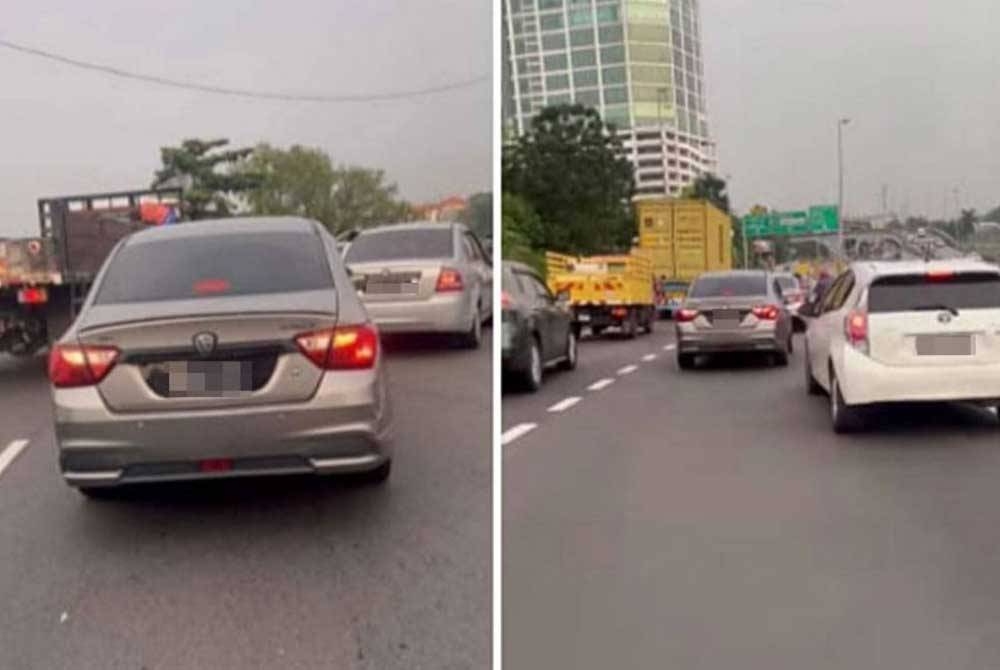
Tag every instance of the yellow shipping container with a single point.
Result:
(684, 238)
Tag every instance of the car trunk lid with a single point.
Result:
(394, 281)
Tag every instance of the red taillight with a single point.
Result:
(506, 302)
(340, 348)
(32, 296)
(71, 365)
(939, 275)
(216, 465)
(211, 286)
(449, 280)
(856, 329)
(685, 315)
(767, 312)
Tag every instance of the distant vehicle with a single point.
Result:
(794, 296)
(44, 279)
(223, 348)
(424, 278)
(538, 328)
(670, 297)
(906, 331)
(613, 291)
(682, 239)
(740, 310)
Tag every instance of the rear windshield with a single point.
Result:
(788, 283)
(909, 293)
(194, 267)
(728, 285)
(675, 287)
(403, 244)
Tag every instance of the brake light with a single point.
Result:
(939, 275)
(686, 315)
(71, 365)
(340, 348)
(856, 330)
(211, 286)
(619, 312)
(766, 312)
(506, 302)
(32, 296)
(449, 280)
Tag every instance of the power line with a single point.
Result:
(240, 92)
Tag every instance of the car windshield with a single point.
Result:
(919, 292)
(728, 285)
(788, 283)
(205, 266)
(402, 244)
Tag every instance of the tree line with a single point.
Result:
(219, 181)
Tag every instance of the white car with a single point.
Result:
(906, 331)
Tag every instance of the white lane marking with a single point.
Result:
(669, 347)
(600, 384)
(10, 452)
(649, 357)
(517, 431)
(564, 404)
(628, 369)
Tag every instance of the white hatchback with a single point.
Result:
(906, 331)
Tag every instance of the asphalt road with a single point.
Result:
(712, 519)
(289, 574)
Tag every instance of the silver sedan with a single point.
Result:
(220, 349)
(423, 278)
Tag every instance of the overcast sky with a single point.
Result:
(66, 131)
(919, 78)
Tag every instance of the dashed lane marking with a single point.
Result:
(10, 453)
(564, 404)
(669, 347)
(649, 357)
(628, 369)
(517, 431)
(600, 384)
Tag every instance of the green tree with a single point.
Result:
(708, 187)
(303, 181)
(522, 232)
(478, 216)
(571, 167)
(213, 178)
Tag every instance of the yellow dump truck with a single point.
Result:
(604, 292)
(682, 238)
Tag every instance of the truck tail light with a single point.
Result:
(619, 312)
(449, 280)
(340, 348)
(856, 330)
(767, 312)
(506, 301)
(71, 365)
(685, 315)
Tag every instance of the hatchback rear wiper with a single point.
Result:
(940, 308)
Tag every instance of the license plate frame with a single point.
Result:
(208, 379)
(583, 317)
(945, 344)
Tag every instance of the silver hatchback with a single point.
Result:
(220, 349)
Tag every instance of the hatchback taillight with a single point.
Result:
(449, 280)
(767, 312)
(685, 315)
(340, 348)
(72, 365)
(856, 330)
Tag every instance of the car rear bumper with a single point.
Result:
(865, 381)
(441, 313)
(693, 341)
(346, 427)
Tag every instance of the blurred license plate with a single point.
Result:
(726, 319)
(583, 318)
(944, 345)
(208, 378)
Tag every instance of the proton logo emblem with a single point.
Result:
(204, 343)
(944, 317)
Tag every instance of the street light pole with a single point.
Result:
(840, 185)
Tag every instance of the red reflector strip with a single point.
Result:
(210, 286)
(216, 465)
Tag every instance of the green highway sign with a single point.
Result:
(818, 220)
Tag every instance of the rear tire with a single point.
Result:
(812, 386)
(650, 320)
(781, 359)
(685, 361)
(473, 338)
(845, 418)
(631, 326)
(569, 363)
(531, 378)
